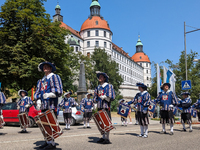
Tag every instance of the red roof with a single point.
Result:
(140, 57)
(120, 50)
(76, 33)
(95, 22)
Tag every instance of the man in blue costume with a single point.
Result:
(167, 99)
(185, 103)
(23, 105)
(87, 104)
(48, 89)
(142, 100)
(103, 95)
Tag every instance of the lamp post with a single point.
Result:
(196, 29)
(185, 46)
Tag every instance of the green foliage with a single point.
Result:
(102, 62)
(28, 37)
(193, 73)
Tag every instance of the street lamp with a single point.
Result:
(185, 45)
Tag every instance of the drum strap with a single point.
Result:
(45, 123)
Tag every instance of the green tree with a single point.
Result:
(28, 37)
(103, 62)
(193, 73)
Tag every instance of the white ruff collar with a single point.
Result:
(103, 85)
(48, 76)
(142, 93)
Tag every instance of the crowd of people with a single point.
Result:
(49, 88)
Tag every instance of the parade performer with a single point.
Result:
(67, 103)
(48, 89)
(197, 106)
(185, 103)
(167, 99)
(142, 100)
(87, 104)
(2, 102)
(23, 105)
(123, 120)
(103, 95)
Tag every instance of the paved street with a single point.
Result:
(122, 138)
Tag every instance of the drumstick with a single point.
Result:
(97, 94)
(45, 123)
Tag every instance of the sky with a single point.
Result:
(160, 24)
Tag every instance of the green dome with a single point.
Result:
(58, 7)
(72, 41)
(139, 43)
(95, 3)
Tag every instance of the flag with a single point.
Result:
(169, 74)
(164, 74)
(172, 81)
(158, 79)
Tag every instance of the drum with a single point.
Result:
(152, 107)
(103, 121)
(123, 110)
(24, 120)
(82, 108)
(1, 122)
(48, 125)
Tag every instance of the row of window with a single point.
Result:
(129, 79)
(97, 34)
(147, 65)
(129, 71)
(123, 59)
(97, 44)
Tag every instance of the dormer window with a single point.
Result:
(97, 23)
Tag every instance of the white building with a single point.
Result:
(95, 32)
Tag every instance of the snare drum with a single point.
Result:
(123, 110)
(24, 120)
(48, 125)
(103, 121)
(1, 122)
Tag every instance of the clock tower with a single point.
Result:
(57, 16)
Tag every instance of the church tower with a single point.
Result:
(57, 16)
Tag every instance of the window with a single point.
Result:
(104, 33)
(146, 64)
(97, 23)
(140, 64)
(88, 34)
(110, 46)
(76, 49)
(147, 78)
(120, 66)
(88, 54)
(147, 85)
(97, 43)
(105, 44)
(110, 36)
(79, 41)
(88, 43)
(97, 32)
(147, 71)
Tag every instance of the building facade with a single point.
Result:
(95, 32)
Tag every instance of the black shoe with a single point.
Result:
(171, 133)
(184, 130)
(100, 140)
(88, 127)
(84, 127)
(50, 146)
(23, 131)
(67, 128)
(163, 132)
(44, 145)
(106, 141)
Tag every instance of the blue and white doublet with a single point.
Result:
(23, 102)
(107, 90)
(49, 84)
(2, 98)
(197, 106)
(67, 103)
(87, 104)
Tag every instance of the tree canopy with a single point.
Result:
(28, 37)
